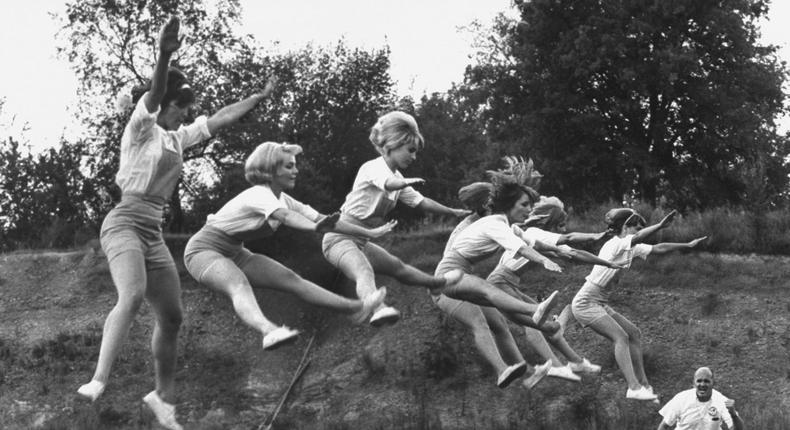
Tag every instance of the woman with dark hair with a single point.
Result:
(216, 257)
(510, 203)
(131, 236)
(590, 305)
(547, 228)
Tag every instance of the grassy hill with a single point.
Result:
(724, 311)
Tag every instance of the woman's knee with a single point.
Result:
(130, 300)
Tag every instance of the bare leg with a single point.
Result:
(164, 296)
(387, 264)
(634, 345)
(129, 277)
(264, 272)
(223, 276)
(354, 264)
(502, 336)
(610, 329)
(476, 290)
(473, 319)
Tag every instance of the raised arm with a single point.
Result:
(169, 42)
(576, 255)
(232, 112)
(666, 247)
(430, 205)
(643, 234)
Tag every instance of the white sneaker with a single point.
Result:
(279, 337)
(538, 374)
(369, 303)
(585, 366)
(165, 412)
(384, 316)
(564, 372)
(511, 374)
(542, 312)
(92, 390)
(640, 394)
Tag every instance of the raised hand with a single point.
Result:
(697, 241)
(271, 84)
(668, 219)
(327, 223)
(382, 230)
(169, 39)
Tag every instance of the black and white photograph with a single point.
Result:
(427, 215)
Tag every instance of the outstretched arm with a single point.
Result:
(575, 238)
(643, 234)
(576, 255)
(169, 42)
(530, 253)
(394, 183)
(232, 112)
(666, 247)
(430, 205)
(355, 230)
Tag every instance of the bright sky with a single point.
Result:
(428, 52)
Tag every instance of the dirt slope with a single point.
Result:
(727, 312)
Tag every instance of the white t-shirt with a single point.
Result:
(619, 251)
(369, 201)
(687, 413)
(251, 209)
(486, 236)
(513, 261)
(150, 162)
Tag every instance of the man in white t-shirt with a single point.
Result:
(700, 408)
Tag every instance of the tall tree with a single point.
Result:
(641, 98)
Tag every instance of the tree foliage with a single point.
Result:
(640, 98)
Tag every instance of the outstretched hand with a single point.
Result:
(413, 181)
(327, 223)
(551, 266)
(382, 230)
(169, 39)
(461, 212)
(697, 241)
(668, 219)
(268, 89)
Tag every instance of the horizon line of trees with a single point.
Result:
(669, 103)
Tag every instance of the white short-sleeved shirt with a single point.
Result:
(151, 156)
(369, 201)
(486, 236)
(619, 251)
(513, 261)
(685, 412)
(247, 216)
(466, 222)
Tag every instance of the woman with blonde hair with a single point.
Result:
(216, 257)
(378, 186)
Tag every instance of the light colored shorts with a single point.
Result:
(135, 225)
(587, 307)
(452, 260)
(335, 245)
(210, 245)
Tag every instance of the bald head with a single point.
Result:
(703, 383)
